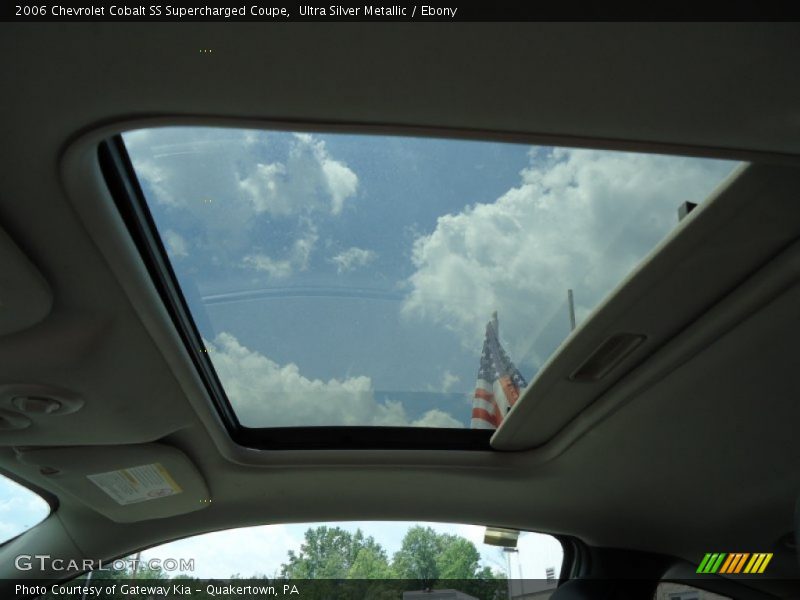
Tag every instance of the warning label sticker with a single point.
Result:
(137, 484)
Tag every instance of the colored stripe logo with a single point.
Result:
(734, 563)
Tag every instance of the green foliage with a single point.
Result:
(458, 558)
(424, 558)
(429, 556)
(417, 557)
(370, 563)
(332, 553)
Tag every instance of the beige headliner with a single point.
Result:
(694, 448)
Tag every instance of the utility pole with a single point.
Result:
(571, 306)
(508, 552)
(86, 587)
(136, 564)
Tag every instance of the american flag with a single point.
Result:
(499, 382)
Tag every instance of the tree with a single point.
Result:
(459, 559)
(417, 556)
(429, 556)
(331, 553)
(370, 563)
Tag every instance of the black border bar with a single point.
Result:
(278, 11)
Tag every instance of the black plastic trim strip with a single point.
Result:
(365, 438)
(124, 186)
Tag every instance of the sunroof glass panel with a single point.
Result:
(364, 280)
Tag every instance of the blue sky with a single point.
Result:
(20, 509)
(347, 279)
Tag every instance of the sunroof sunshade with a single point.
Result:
(372, 280)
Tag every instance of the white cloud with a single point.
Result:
(266, 394)
(342, 182)
(183, 167)
(263, 188)
(176, 245)
(579, 219)
(304, 246)
(297, 259)
(449, 380)
(277, 269)
(219, 187)
(353, 258)
(309, 180)
(437, 418)
(159, 180)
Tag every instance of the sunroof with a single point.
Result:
(373, 280)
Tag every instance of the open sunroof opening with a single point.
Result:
(345, 280)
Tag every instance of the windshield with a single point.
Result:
(435, 552)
